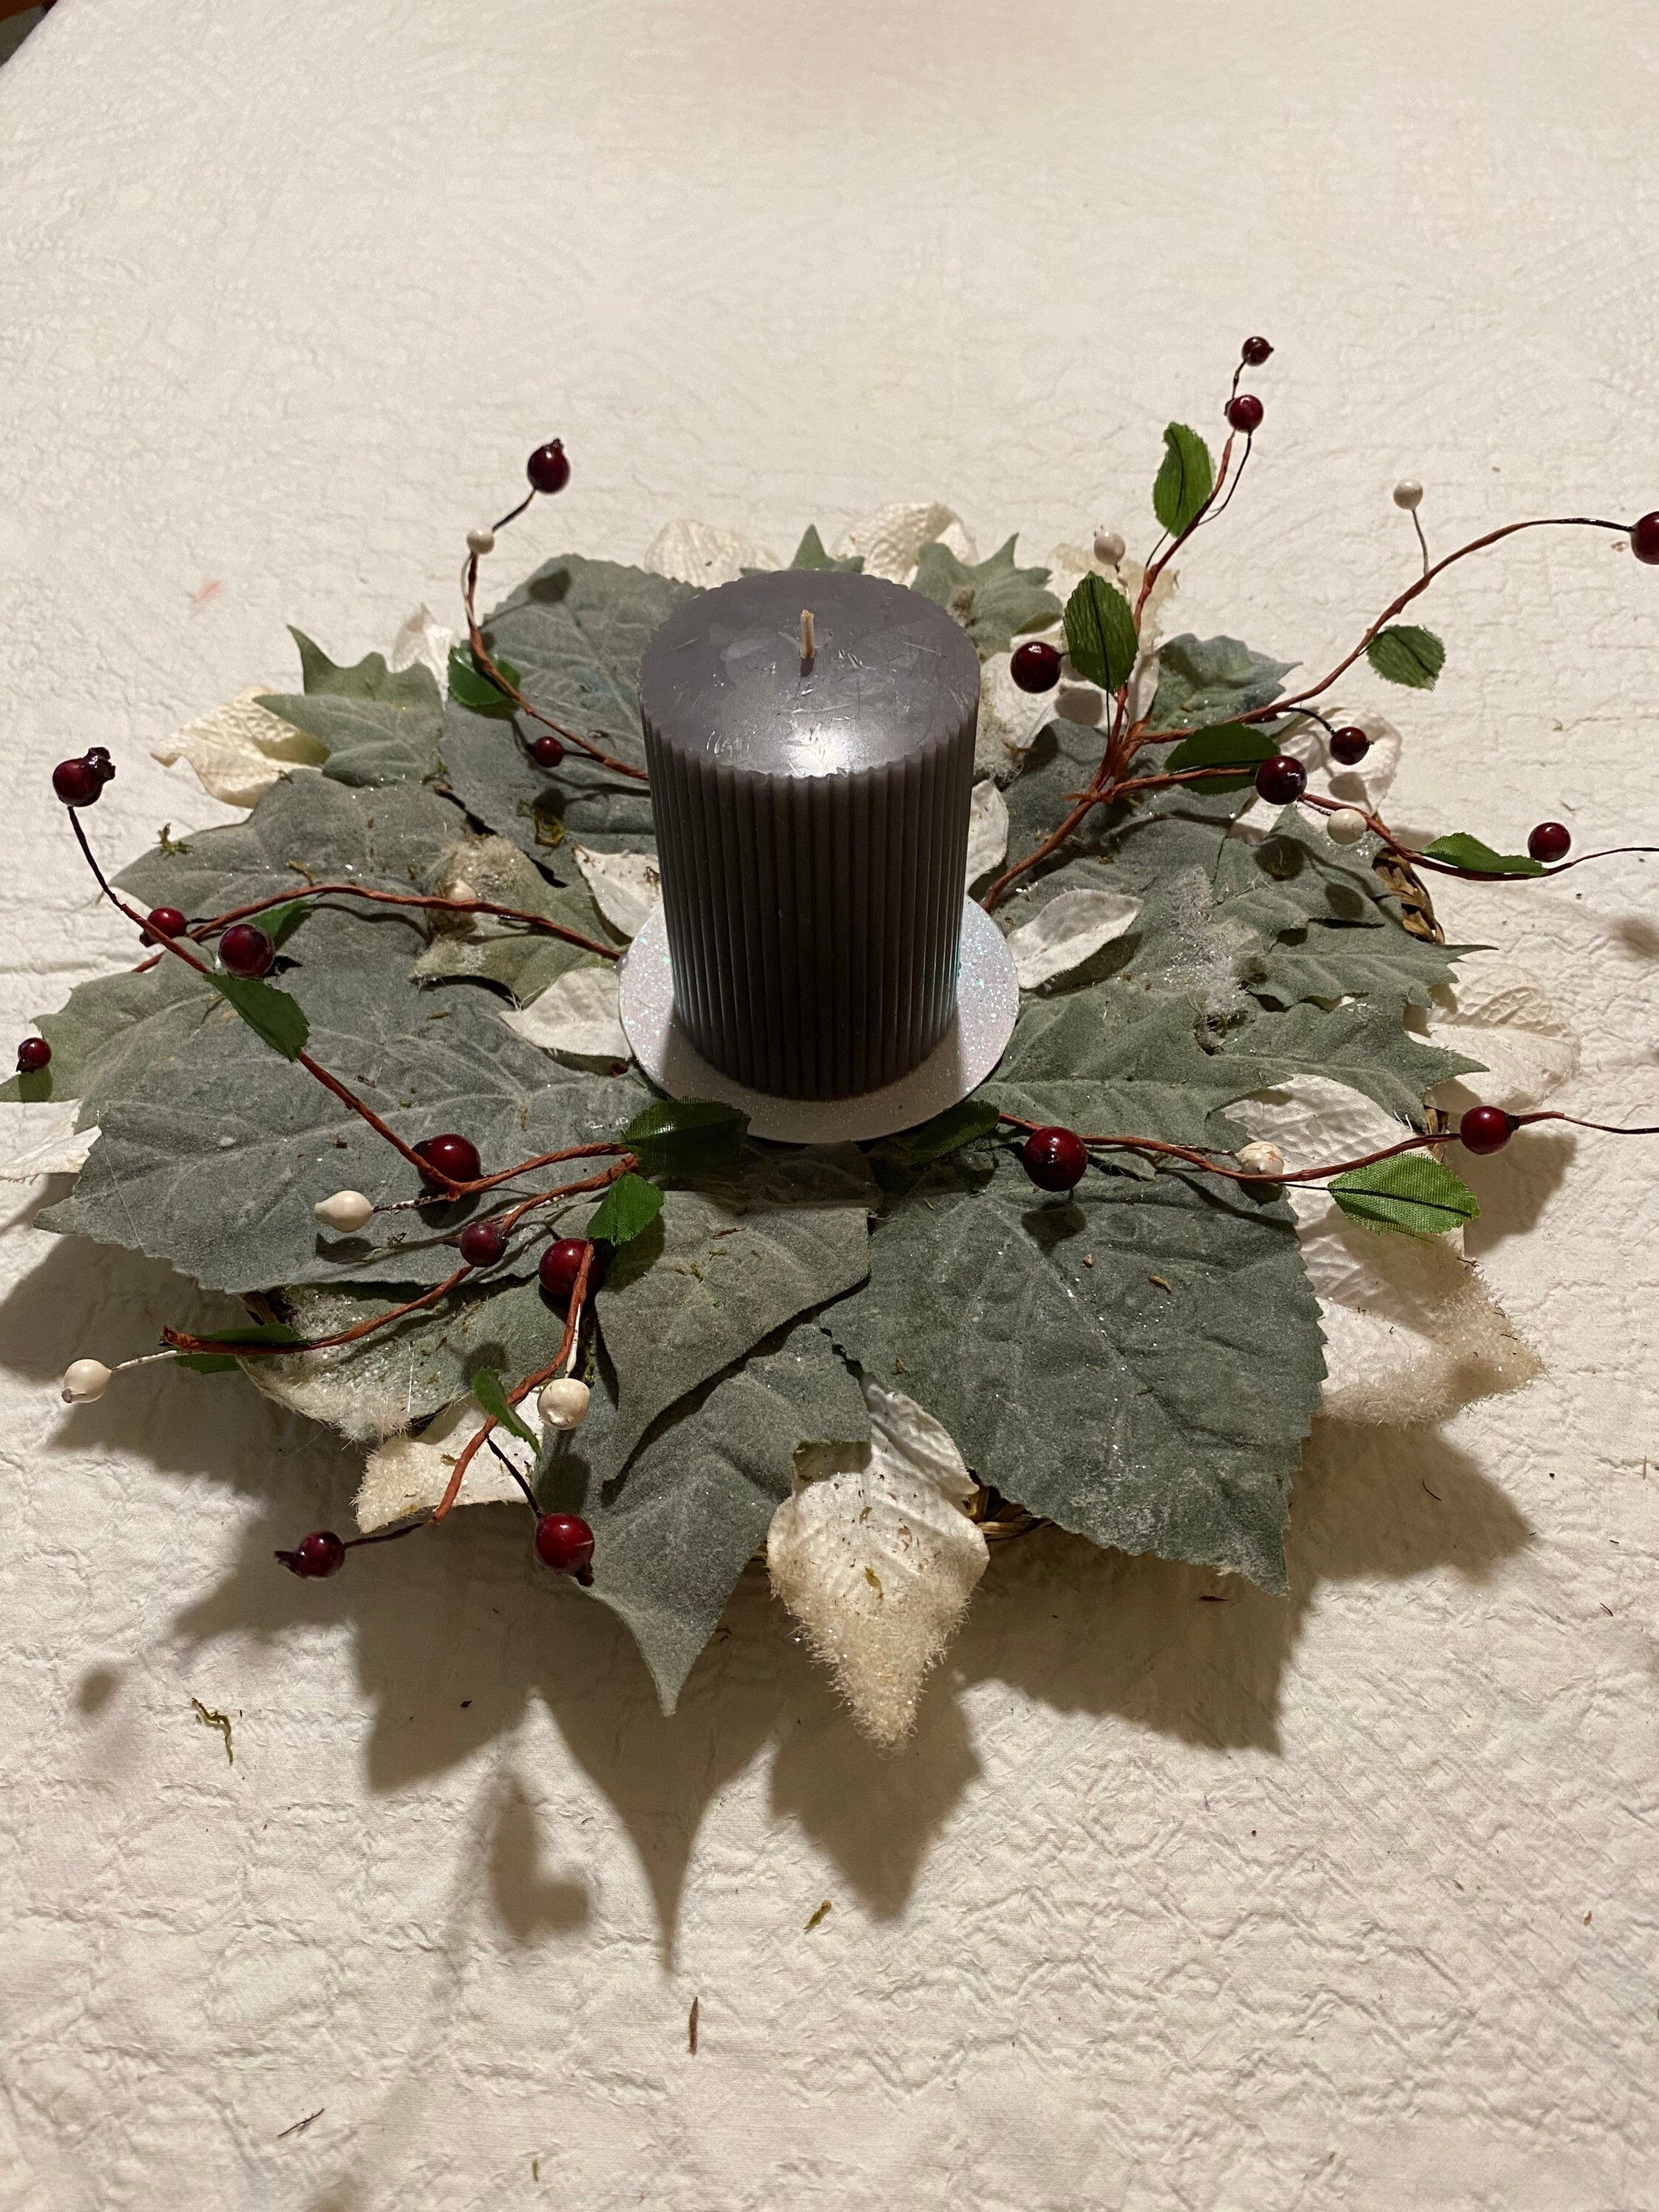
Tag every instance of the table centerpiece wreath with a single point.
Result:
(367, 1077)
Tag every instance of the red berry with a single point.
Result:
(1550, 840)
(1645, 539)
(1350, 746)
(547, 752)
(1245, 412)
(165, 921)
(1053, 1158)
(1036, 666)
(246, 950)
(457, 1157)
(548, 468)
(315, 1557)
(561, 1264)
(32, 1055)
(77, 782)
(1255, 351)
(565, 1542)
(1485, 1129)
(98, 757)
(1281, 780)
(483, 1243)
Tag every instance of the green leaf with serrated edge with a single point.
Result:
(274, 1017)
(1327, 962)
(1404, 654)
(473, 688)
(672, 1537)
(811, 554)
(1363, 1045)
(216, 1163)
(578, 631)
(378, 725)
(280, 922)
(113, 1032)
(304, 828)
(993, 601)
(1222, 744)
(686, 1136)
(729, 1262)
(487, 1388)
(484, 949)
(1185, 477)
(964, 1124)
(1100, 634)
(1161, 1419)
(627, 1211)
(1203, 681)
(1462, 851)
(220, 1362)
(1412, 1195)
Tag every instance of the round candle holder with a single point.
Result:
(988, 1002)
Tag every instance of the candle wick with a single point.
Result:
(807, 648)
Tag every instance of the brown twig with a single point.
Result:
(219, 921)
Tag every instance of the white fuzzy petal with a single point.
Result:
(626, 886)
(408, 1474)
(576, 1013)
(1070, 930)
(1502, 1015)
(423, 640)
(988, 831)
(240, 749)
(694, 553)
(875, 1557)
(892, 538)
(48, 1144)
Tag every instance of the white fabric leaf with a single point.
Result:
(1009, 719)
(695, 553)
(1070, 930)
(423, 640)
(576, 1013)
(1502, 1015)
(1365, 786)
(988, 831)
(407, 1476)
(892, 538)
(1410, 1331)
(876, 1559)
(626, 887)
(50, 1144)
(239, 750)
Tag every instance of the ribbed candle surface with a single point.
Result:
(811, 824)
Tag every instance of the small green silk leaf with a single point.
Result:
(274, 1017)
(220, 1362)
(1404, 654)
(487, 1387)
(1100, 634)
(1221, 746)
(280, 922)
(1185, 479)
(1412, 1195)
(628, 1208)
(962, 1124)
(470, 688)
(686, 1136)
(1462, 851)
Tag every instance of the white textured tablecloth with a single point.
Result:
(1346, 1901)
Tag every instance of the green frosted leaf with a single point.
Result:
(1207, 680)
(1413, 1195)
(686, 1136)
(1100, 634)
(1404, 654)
(378, 725)
(627, 1211)
(1462, 851)
(522, 962)
(114, 1032)
(1185, 477)
(993, 601)
(487, 1389)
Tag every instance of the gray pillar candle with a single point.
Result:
(812, 812)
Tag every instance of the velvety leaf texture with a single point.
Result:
(993, 601)
(378, 725)
(1205, 680)
(115, 1031)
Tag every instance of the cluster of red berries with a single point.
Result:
(80, 782)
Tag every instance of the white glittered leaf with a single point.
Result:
(1502, 1015)
(48, 1143)
(1070, 930)
(988, 831)
(576, 1014)
(626, 887)
(408, 1474)
(1009, 719)
(423, 640)
(892, 539)
(240, 749)
(876, 1559)
(693, 553)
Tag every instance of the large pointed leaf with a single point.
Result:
(1363, 1045)
(1140, 1364)
(993, 601)
(1328, 961)
(115, 1031)
(811, 554)
(673, 1535)
(725, 1265)
(1212, 679)
(379, 725)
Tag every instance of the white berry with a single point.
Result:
(1109, 547)
(84, 1379)
(563, 1405)
(347, 1211)
(1408, 494)
(1347, 826)
(481, 541)
(1262, 1159)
